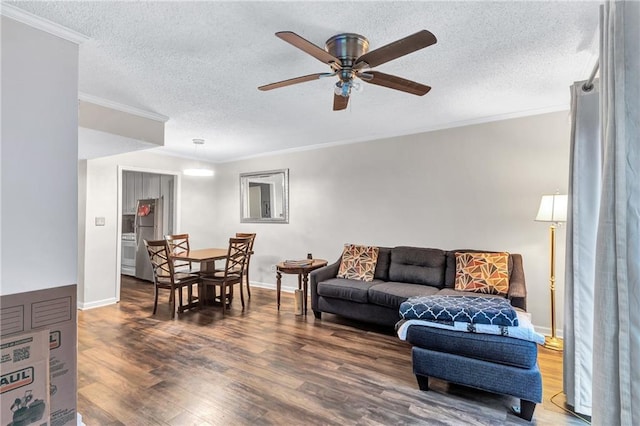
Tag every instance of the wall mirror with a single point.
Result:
(264, 196)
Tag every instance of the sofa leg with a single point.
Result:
(423, 382)
(317, 314)
(526, 409)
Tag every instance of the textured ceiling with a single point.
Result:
(200, 64)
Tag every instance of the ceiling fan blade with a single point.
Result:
(340, 102)
(394, 50)
(397, 83)
(310, 48)
(296, 80)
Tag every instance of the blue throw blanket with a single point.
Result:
(450, 309)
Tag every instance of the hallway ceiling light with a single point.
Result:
(198, 171)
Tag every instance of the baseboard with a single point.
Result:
(285, 289)
(547, 331)
(97, 304)
(269, 286)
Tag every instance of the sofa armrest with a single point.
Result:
(517, 285)
(319, 275)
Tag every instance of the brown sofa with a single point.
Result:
(401, 272)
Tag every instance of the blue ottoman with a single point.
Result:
(498, 364)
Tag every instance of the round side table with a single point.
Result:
(303, 277)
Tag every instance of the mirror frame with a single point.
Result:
(245, 179)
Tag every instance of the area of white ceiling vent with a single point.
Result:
(200, 63)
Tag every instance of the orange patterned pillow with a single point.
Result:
(482, 272)
(358, 262)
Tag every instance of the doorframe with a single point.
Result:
(177, 190)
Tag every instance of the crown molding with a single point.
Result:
(42, 24)
(122, 107)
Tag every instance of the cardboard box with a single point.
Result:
(24, 379)
(52, 310)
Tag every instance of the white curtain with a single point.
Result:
(602, 291)
(582, 222)
(616, 333)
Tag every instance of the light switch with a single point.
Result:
(100, 221)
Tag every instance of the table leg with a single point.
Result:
(278, 285)
(305, 280)
(209, 291)
(209, 266)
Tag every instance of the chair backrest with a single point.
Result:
(236, 256)
(253, 238)
(247, 235)
(178, 243)
(158, 251)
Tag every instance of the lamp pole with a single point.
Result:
(553, 208)
(553, 342)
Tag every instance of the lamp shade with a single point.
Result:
(553, 208)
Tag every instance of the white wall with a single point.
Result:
(82, 217)
(469, 187)
(39, 159)
(98, 257)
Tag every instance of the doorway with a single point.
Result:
(135, 184)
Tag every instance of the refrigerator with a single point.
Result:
(149, 225)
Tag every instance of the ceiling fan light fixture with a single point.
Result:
(198, 171)
(344, 88)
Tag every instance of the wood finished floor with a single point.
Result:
(262, 366)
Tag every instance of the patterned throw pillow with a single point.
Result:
(358, 262)
(482, 272)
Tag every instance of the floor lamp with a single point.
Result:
(553, 208)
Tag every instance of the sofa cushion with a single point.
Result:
(358, 262)
(343, 288)
(450, 271)
(417, 266)
(392, 294)
(486, 273)
(485, 347)
(382, 267)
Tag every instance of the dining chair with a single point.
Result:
(165, 277)
(246, 266)
(179, 243)
(232, 273)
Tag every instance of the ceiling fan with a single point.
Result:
(349, 57)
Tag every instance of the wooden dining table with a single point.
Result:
(207, 258)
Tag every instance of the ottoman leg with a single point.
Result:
(423, 382)
(317, 314)
(526, 409)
